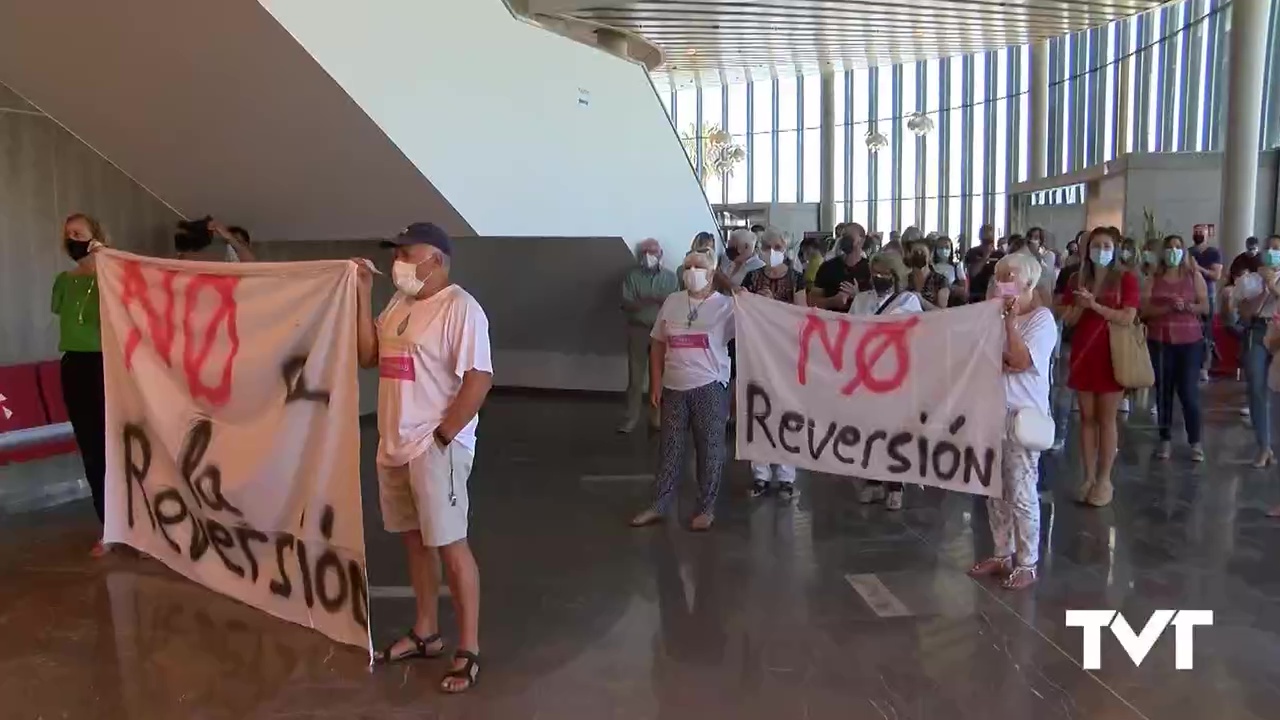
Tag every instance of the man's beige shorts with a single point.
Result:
(428, 494)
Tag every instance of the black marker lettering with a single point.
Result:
(792, 422)
(137, 463)
(282, 586)
(870, 446)
(245, 534)
(327, 565)
(982, 467)
(816, 452)
(900, 462)
(221, 539)
(850, 437)
(757, 396)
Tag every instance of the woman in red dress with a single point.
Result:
(1103, 292)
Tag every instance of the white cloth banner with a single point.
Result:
(233, 440)
(904, 398)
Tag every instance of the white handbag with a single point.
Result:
(1032, 429)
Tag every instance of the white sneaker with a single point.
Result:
(894, 501)
(1155, 411)
(1124, 406)
(1244, 412)
(870, 494)
(1204, 376)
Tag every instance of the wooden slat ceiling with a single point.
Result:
(711, 39)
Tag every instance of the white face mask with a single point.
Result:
(404, 275)
(649, 260)
(696, 279)
(775, 258)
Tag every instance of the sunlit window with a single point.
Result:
(762, 140)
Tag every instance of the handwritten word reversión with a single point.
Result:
(323, 576)
(945, 459)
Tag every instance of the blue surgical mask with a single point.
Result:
(1272, 258)
(1173, 256)
(1102, 256)
(1149, 257)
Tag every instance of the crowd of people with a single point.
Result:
(1060, 311)
(431, 345)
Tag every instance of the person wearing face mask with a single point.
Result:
(945, 264)
(777, 281)
(1209, 263)
(75, 302)
(689, 383)
(1102, 292)
(431, 346)
(1256, 304)
(1247, 261)
(644, 289)
(930, 285)
(888, 296)
(1172, 303)
(740, 256)
(844, 276)
(1030, 336)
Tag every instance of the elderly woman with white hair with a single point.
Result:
(888, 296)
(740, 255)
(689, 382)
(1030, 335)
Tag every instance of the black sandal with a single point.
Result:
(420, 650)
(469, 672)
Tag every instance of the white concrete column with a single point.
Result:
(1122, 107)
(613, 41)
(1242, 130)
(827, 145)
(1039, 109)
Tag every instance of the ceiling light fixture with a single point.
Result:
(920, 123)
(876, 141)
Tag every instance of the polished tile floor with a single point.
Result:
(824, 609)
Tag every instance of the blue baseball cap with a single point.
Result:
(422, 233)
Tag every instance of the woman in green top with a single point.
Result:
(75, 302)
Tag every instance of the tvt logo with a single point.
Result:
(1138, 645)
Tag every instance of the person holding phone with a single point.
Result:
(1102, 292)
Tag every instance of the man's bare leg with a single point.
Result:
(464, 586)
(424, 575)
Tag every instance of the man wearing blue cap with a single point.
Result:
(431, 347)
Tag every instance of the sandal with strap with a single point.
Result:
(469, 672)
(384, 656)
(1021, 578)
(992, 566)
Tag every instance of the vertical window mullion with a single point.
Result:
(873, 160)
(944, 144)
(895, 143)
(773, 138)
(966, 135)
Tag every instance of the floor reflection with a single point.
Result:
(586, 618)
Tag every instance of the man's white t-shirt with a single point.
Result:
(424, 349)
(868, 303)
(697, 335)
(1030, 388)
